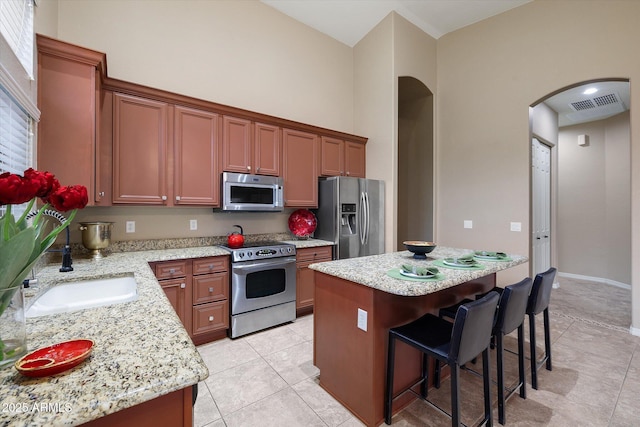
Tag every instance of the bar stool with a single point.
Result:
(452, 343)
(509, 317)
(539, 303)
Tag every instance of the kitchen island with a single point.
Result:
(143, 363)
(357, 302)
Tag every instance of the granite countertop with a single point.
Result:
(141, 349)
(372, 270)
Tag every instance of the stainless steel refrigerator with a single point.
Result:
(351, 214)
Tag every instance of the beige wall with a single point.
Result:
(594, 212)
(489, 74)
(239, 53)
(394, 48)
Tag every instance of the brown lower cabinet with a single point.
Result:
(198, 290)
(305, 282)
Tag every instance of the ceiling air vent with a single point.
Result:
(596, 107)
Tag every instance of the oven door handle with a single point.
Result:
(262, 264)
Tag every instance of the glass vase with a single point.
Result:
(13, 331)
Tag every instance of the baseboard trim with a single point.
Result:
(596, 279)
(634, 331)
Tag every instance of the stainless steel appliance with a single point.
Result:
(244, 192)
(263, 286)
(351, 214)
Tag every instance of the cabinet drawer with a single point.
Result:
(210, 287)
(210, 317)
(210, 265)
(320, 253)
(171, 269)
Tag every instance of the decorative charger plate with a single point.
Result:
(55, 358)
(302, 223)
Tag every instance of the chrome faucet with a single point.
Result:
(66, 250)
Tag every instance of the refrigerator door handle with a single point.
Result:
(367, 217)
(362, 218)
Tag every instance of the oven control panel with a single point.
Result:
(255, 253)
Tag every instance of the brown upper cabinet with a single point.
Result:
(341, 158)
(69, 98)
(137, 145)
(249, 147)
(142, 138)
(300, 166)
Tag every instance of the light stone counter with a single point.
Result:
(141, 349)
(372, 270)
(309, 243)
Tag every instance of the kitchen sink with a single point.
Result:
(75, 296)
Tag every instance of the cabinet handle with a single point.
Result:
(172, 270)
(348, 173)
(177, 198)
(210, 318)
(258, 169)
(164, 197)
(248, 168)
(183, 285)
(101, 194)
(210, 266)
(210, 290)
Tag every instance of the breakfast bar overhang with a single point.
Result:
(357, 301)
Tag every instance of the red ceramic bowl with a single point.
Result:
(55, 358)
(302, 223)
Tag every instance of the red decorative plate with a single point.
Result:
(302, 223)
(55, 358)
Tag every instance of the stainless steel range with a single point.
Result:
(263, 286)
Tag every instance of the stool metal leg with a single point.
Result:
(389, 395)
(547, 338)
(532, 345)
(455, 394)
(521, 375)
(486, 374)
(425, 376)
(500, 367)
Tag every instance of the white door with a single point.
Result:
(541, 206)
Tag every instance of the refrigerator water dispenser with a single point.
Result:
(348, 219)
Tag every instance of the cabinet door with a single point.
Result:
(177, 291)
(305, 280)
(300, 169)
(68, 98)
(331, 157)
(195, 158)
(355, 160)
(236, 145)
(267, 149)
(210, 317)
(139, 150)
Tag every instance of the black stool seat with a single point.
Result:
(539, 303)
(509, 317)
(452, 343)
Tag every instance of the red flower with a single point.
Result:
(13, 190)
(46, 182)
(69, 197)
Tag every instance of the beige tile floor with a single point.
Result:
(268, 379)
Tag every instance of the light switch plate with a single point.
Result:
(362, 319)
(516, 226)
(130, 227)
(193, 224)
(468, 223)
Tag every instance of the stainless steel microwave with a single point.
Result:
(244, 192)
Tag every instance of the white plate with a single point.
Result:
(488, 257)
(416, 276)
(455, 264)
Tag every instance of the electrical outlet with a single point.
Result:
(468, 223)
(130, 227)
(193, 224)
(516, 226)
(362, 319)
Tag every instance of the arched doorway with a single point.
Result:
(415, 192)
(587, 129)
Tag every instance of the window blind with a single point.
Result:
(16, 26)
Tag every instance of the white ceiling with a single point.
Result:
(348, 21)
